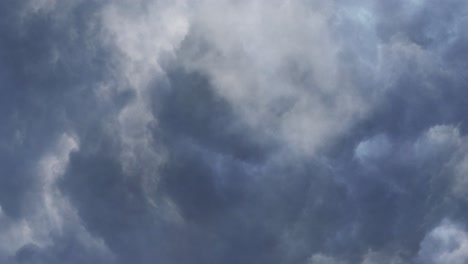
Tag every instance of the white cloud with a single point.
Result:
(48, 212)
(52, 205)
(278, 64)
(447, 243)
(323, 259)
(446, 143)
(373, 149)
(15, 234)
(142, 32)
(438, 140)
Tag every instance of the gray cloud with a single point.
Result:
(233, 132)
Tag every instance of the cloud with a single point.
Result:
(321, 259)
(447, 243)
(278, 64)
(233, 131)
(375, 148)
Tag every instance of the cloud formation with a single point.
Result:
(232, 131)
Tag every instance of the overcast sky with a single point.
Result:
(234, 131)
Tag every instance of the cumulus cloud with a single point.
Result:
(233, 131)
(447, 243)
(373, 149)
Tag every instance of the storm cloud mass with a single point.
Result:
(234, 131)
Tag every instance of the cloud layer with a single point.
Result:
(232, 131)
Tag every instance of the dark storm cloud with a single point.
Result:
(290, 132)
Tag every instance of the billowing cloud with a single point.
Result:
(315, 132)
(447, 243)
